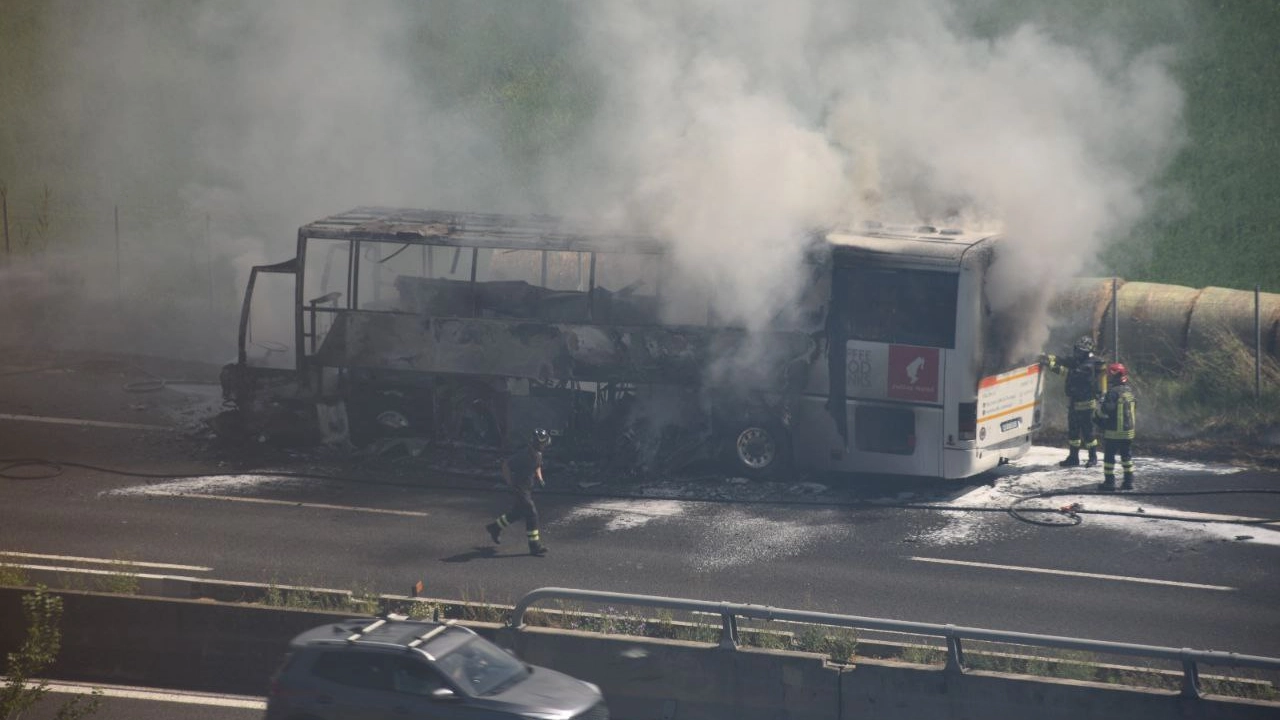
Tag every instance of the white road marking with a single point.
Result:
(86, 423)
(295, 503)
(92, 571)
(1073, 573)
(172, 696)
(105, 561)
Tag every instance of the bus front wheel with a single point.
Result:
(757, 449)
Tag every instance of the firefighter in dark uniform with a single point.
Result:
(1117, 417)
(1086, 381)
(520, 471)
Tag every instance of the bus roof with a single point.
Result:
(925, 245)
(469, 229)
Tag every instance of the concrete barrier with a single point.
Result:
(234, 648)
(901, 691)
(651, 678)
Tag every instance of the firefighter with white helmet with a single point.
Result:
(1117, 417)
(1085, 382)
(520, 471)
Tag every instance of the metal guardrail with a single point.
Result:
(954, 634)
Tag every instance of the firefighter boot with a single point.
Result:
(1108, 483)
(535, 543)
(1093, 458)
(1072, 459)
(495, 532)
(1128, 482)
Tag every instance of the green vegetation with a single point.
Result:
(1219, 223)
(122, 580)
(1211, 395)
(21, 691)
(11, 575)
(319, 600)
(1212, 219)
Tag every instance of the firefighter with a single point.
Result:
(1085, 382)
(1117, 416)
(520, 471)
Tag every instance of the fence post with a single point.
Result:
(4, 201)
(1115, 319)
(955, 651)
(728, 629)
(1190, 676)
(1257, 342)
(117, 226)
(208, 246)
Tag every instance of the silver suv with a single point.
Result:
(393, 667)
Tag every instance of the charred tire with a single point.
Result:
(757, 448)
(385, 415)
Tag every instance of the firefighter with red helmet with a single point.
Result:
(1085, 382)
(520, 471)
(1117, 417)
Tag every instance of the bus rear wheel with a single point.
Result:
(757, 449)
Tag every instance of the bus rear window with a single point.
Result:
(909, 307)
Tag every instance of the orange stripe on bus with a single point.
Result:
(987, 382)
(1010, 411)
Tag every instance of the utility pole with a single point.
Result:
(117, 225)
(1115, 319)
(208, 244)
(4, 202)
(1257, 342)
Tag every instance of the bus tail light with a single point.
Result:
(968, 421)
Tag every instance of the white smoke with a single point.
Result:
(734, 130)
(731, 129)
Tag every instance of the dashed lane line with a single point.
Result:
(1074, 573)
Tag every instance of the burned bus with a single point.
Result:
(472, 329)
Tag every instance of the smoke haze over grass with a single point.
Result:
(729, 130)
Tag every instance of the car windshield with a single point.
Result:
(481, 668)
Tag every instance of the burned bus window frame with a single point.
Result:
(904, 306)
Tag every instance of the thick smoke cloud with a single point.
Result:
(731, 130)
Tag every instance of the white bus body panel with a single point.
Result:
(824, 449)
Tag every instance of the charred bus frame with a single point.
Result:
(473, 328)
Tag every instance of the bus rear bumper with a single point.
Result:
(960, 463)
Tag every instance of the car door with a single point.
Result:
(356, 684)
(414, 695)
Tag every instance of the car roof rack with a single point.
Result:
(366, 629)
(432, 633)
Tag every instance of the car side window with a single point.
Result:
(371, 671)
(413, 677)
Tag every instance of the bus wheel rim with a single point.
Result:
(392, 420)
(755, 448)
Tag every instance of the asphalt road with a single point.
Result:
(388, 523)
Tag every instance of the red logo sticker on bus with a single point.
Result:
(913, 373)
